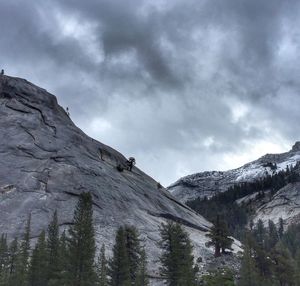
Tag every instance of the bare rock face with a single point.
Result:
(46, 162)
(207, 184)
(284, 204)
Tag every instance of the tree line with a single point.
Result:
(271, 257)
(70, 258)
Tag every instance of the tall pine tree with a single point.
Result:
(283, 266)
(38, 270)
(4, 261)
(248, 273)
(119, 267)
(133, 249)
(81, 244)
(219, 237)
(63, 258)
(176, 259)
(53, 251)
(13, 257)
(142, 275)
(102, 268)
(22, 262)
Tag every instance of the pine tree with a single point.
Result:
(260, 234)
(38, 269)
(13, 257)
(177, 259)
(273, 236)
(281, 228)
(226, 241)
(142, 276)
(53, 251)
(102, 268)
(4, 261)
(248, 273)
(22, 262)
(283, 265)
(119, 267)
(81, 244)
(219, 237)
(133, 249)
(262, 260)
(63, 255)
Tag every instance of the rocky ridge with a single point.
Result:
(207, 184)
(285, 203)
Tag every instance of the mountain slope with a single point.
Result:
(46, 162)
(206, 184)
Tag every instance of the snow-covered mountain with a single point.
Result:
(285, 203)
(46, 162)
(208, 183)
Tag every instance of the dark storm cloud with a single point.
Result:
(182, 85)
(121, 30)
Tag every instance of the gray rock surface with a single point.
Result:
(46, 162)
(284, 204)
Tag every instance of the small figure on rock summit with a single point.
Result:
(2, 72)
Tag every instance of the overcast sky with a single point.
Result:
(183, 86)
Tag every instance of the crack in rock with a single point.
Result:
(52, 127)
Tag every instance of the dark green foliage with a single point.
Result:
(81, 244)
(269, 259)
(142, 276)
(128, 264)
(4, 260)
(53, 251)
(281, 228)
(283, 265)
(291, 238)
(273, 236)
(236, 216)
(22, 261)
(38, 270)
(222, 277)
(133, 249)
(248, 272)
(219, 237)
(177, 260)
(63, 256)
(119, 264)
(297, 269)
(12, 262)
(102, 268)
(260, 233)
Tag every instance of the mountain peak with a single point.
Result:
(296, 147)
(206, 184)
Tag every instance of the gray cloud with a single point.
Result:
(182, 85)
